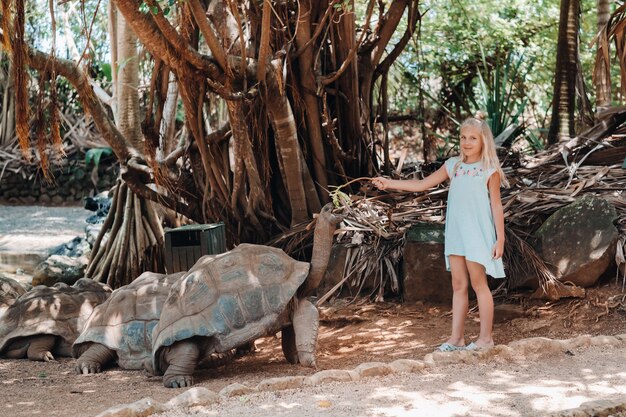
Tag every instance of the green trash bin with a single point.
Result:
(185, 245)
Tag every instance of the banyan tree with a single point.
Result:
(301, 85)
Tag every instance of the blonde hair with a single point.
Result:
(489, 158)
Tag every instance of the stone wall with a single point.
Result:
(71, 182)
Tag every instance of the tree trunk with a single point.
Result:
(601, 79)
(564, 102)
(127, 84)
(135, 242)
(283, 123)
(168, 126)
(311, 100)
(7, 120)
(353, 105)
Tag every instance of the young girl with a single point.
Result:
(474, 240)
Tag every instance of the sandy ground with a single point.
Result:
(363, 332)
(28, 233)
(556, 383)
(39, 228)
(350, 334)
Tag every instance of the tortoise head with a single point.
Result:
(326, 217)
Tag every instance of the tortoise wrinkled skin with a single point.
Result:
(46, 320)
(228, 300)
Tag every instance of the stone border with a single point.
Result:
(600, 408)
(72, 182)
(534, 348)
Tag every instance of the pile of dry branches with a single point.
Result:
(80, 135)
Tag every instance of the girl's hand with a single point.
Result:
(498, 249)
(380, 183)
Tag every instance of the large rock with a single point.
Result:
(92, 231)
(78, 246)
(66, 263)
(59, 268)
(578, 241)
(100, 204)
(424, 266)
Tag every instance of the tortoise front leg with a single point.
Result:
(305, 321)
(182, 358)
(93, 359)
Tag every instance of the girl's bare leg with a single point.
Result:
(460, 282)
(478, 279)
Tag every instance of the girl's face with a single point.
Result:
(471, 142)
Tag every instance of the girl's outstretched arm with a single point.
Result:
(498, 214)
(430, 181)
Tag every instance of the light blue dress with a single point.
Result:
(470, 230)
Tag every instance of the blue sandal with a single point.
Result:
(447, 347)
(473, 346)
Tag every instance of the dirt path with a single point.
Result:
(38, 227)
(561, 381)
(351, 335)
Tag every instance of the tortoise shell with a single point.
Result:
(10, 290)
(233, 298)
(124, 322)
(59, 310)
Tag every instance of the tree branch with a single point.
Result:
(132, 173)
(334, 76)
(125, 153)
(264, 48)
(387, 27)
(173, 50)
(318, 30)
(215, 138)
(414, 17)
(199, 14)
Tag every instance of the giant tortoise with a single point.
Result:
(47, 320)
(120, 329)
(227, 300)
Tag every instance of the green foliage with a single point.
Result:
(344, 5)
(496, 94)
(462, 43)
(339, 198)
(535, 144)
(86, 18)
(95, 154)
(106, 72)
(165, 5)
